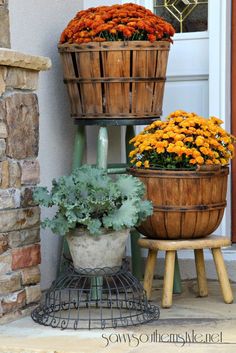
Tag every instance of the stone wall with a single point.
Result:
(4, 24)
(19, 174)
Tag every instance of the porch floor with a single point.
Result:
(189, 313)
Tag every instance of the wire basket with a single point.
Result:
(95, 299)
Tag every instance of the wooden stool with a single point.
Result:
(212, 242)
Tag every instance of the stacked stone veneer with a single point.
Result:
(19, 173)
(4, 24)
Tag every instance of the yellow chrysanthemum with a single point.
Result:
(200, 160)
(223, 161)
(199, 141)
(183, 140)
(179, 143)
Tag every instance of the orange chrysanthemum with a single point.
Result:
(117, 22)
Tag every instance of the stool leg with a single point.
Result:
(201, 272)
(135, 249)
(102, 147)
(78, 154)
(177, 278)
(80, 140)
(222, 276)
(149, 272)
(136, 254)
(130, 133)
(168, 279)
(102, 154)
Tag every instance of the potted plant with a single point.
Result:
(114, 60)
(95, 213)
(184, 163)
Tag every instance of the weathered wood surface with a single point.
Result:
(115, 79)
(187, 204)
(222, 276)
(149, 272)
(201, 272)
(168, 279)
(212, 241)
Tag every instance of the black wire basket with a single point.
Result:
(95, 299)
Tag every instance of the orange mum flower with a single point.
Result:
(117, 22)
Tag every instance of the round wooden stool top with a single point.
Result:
(211, 242)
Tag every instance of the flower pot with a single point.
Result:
(115, 79)
(187, 204)
(89, 251)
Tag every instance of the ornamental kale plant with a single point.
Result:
(91, 199)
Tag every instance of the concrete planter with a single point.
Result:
(89, 251)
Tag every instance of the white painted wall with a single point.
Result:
(35, 28)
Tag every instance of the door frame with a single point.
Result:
(233, 117)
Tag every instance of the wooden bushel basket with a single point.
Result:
(187, 204)
(115, 79)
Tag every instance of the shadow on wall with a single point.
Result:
(35, 29)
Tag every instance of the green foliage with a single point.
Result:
(90, 198)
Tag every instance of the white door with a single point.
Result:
(188, 67)
(198, 73)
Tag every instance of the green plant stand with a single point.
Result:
(102, 154)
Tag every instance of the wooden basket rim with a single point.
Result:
(178, 173)
(116, 45)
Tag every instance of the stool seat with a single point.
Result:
(213, 242)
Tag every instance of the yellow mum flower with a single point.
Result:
(179, 143)
(165, 141)
(132, 153)
(160, 149)
(171, 134)
(216, 161)
(199, 141)
(226, 139)
(179, 119)
(216, 120)
(204, 150)
(177, 149)
(196, 153)
(179, 137)
(188, 139)
(170, 148)
(223, 161)
(200, 160)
